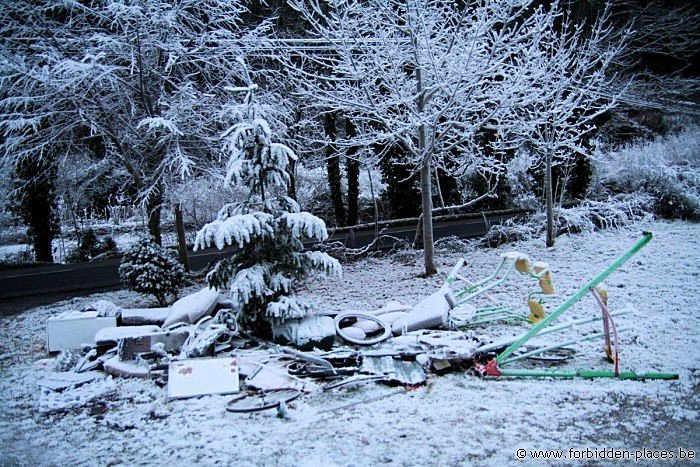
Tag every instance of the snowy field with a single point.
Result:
(455, 419)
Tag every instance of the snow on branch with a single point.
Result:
(159, 123)
(236, 230)
(287, 308)
(304, 224)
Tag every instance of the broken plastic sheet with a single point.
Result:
(202, 376)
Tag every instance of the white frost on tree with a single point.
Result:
(267, 229)
(439, 79)
(133, 84)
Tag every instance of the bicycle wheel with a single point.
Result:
(262, 400)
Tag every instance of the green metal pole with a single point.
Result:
(586, 374)
(531, 353)
(575, 298)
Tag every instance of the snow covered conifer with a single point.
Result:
(267, 228)
(149, 268)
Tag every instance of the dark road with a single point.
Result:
(32, 282)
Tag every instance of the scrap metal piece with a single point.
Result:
(404, 372)
(141, 316)
(66, 380)
(202, 376)
(268, 376)
(202, 344)
(128, 369)
(171, 341)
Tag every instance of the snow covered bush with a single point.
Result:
(267, 228)
(613, 213)
(149, 268)
(667, 168)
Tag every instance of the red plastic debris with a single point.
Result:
(489, 369)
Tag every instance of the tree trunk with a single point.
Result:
(292, 189)
(425, 185)
(427, 203)
(333, 165)
(549, 199)
(374, 202)
(181, 242)
(153, 207)
(352, 170)
(35, 204)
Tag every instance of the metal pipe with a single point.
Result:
(570, 324)
(576, 297)
(586, 374)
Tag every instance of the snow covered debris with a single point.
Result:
(193, 307)
(200, 376)
(461, 419)
(72, 329)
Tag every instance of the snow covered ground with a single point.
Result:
(455, 419)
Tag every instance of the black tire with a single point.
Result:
(262, 400)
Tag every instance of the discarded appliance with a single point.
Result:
(72, 329)
(305, 333)
(107, 338)
(202, 376)
(164, 340)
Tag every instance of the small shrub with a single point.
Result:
(147, 267)
(667, 168)
(90, 247)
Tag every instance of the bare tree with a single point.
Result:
(572, 82)
(428, 75)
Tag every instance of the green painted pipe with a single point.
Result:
(575, 298)
(531, 353)
(586, 374)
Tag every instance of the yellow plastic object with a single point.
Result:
(523, 264)
(609, 353)
(546, 282)
(603, 293)
(537, 313)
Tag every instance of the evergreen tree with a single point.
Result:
(147, 267)
(34, 203)
(267, 229)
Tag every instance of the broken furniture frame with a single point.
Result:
(509, 261)
(493, 367)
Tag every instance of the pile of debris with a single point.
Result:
(195, 346)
